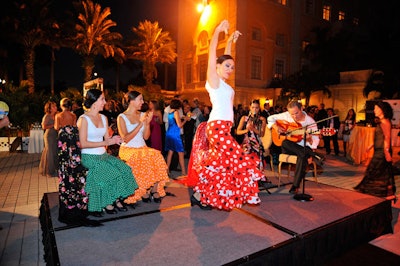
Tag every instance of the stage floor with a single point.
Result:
(279, 231)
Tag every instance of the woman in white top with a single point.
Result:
(228, 176)
(109, 179)
(148, 164)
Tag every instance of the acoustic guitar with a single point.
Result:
(295, 132)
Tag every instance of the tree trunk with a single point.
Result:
(30, 69)
(52, 72)
(88, 66)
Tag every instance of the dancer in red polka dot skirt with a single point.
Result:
(227, 176)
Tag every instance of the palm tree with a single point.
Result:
(153, 46)
(93, 36)
(30, 24)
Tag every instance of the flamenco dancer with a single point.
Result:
(379, 178)
(227, 177)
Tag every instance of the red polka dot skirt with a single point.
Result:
(228, 177)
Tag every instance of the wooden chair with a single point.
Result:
(291, 159)
(267, 142)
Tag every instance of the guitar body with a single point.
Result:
(296, 132)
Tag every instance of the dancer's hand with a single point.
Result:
(234, 36)
(223, 27)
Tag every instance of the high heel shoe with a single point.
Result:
(110, 211)
(146, 199)
(156, 199)
(194, 201)
(120, 206)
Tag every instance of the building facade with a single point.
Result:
(275, 33)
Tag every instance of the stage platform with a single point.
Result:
(279, 231)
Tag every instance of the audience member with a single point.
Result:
(320, 114)
(4, 122)
(188, 129)
(65, 117)
(49, 161)
(333, 124)
(173, 140)
(348, 126)
(77, 108)
(155, 126)
(265, 112)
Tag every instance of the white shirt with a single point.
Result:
(95, 134)
(222, 101)
(138, 140)
(308, 121)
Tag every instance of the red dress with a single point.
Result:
(155, 134)
(227, 177)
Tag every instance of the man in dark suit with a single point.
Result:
(332, 123)
(265, 113)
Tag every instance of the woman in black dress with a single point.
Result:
(379, 179)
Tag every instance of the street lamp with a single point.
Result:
(202, 5)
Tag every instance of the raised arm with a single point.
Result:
(232, 39)
(212, 75)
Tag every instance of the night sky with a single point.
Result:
(127, 14)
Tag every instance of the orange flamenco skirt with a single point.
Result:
(148, 168)
(221, 172)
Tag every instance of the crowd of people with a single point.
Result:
(126, 150)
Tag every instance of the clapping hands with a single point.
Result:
(147, 117)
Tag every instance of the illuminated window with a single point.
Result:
(280, 40)
(282, 2)
(341, 15)
(279, 68)
(256, 34)
(203, 67)
(309, 7)
(326, 13)
(188, 73)
(255, 67)
(203, 40)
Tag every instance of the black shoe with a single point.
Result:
(156, 199)
(111, 211)
(147, 199)
(132, 205)
(121, 207)
(96, 214)
(194, 201)
(293, 190)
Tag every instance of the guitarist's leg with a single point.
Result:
(290, 147)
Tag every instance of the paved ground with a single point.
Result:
(22, 188)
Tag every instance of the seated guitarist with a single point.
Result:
(293, 143)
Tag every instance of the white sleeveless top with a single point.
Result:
(222, 101)
(138, 140)
(95, 134)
